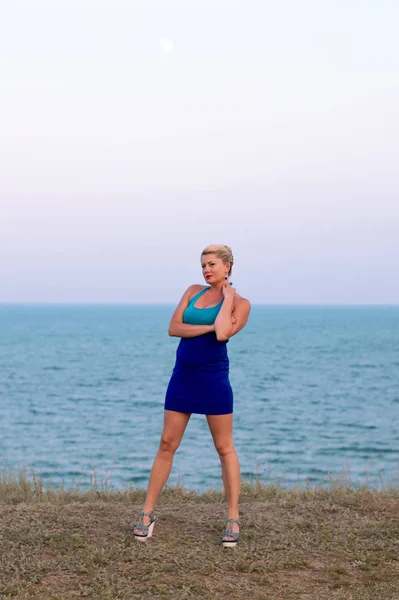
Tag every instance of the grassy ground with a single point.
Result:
(315, 543)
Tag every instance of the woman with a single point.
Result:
(205, 318)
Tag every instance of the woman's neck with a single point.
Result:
(216, 287)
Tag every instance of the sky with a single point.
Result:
(135, 133)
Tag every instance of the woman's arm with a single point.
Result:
(179, 329)
(224, 319)
(186, 330)
(225, 328)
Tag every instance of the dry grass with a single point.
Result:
(304, 544)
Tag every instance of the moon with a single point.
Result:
(165, 45)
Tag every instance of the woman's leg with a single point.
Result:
(175, 424)
(221, 427)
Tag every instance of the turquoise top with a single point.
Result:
(200, 316)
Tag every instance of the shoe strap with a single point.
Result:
(140, 524)
(144, 514)
(229, 530)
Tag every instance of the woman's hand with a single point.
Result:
(228, 290)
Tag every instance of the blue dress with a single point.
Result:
(200, 378)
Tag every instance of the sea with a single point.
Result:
(316, 396)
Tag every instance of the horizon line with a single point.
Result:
(94, 303)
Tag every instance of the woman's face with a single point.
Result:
(213, 268)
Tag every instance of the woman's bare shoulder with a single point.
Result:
(195, 288)
(240, 300)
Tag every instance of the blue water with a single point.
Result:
(316, 392)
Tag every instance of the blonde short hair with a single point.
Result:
(223, 252)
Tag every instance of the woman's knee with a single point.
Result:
(168, 444)
(225, 448)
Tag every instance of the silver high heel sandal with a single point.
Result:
(229, 533)
(146, 529)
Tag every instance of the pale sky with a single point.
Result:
(134, 133)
